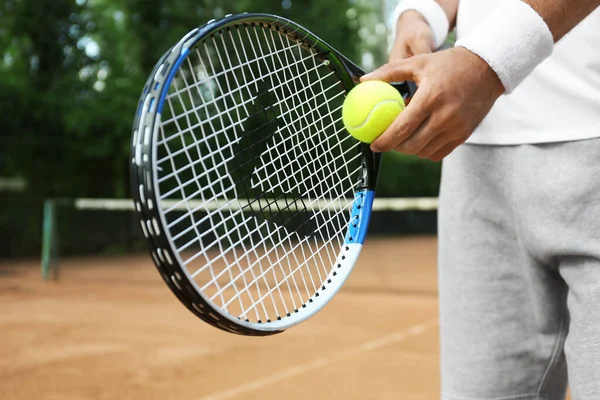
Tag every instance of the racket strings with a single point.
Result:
(252, 144)
(181, 218)
(187, 147)
(325, 205)
(224, 252)
(216, 133)
(299, 267)
(322, 121)
(175, 206)
(254, 82)
(271, 290)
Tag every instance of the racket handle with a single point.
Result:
(407, 88)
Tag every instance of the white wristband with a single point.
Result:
(431, 11)
(513, 40)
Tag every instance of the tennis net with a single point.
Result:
(105, 226)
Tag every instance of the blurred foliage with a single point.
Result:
(407, 176)
(71, 72)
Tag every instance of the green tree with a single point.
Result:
(71, 73)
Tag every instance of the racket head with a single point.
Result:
(226, 89)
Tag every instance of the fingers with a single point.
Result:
(446, 109)
(404, 126)
(424, 141)
(429, 141)
(444, 151)
(398, 71)
(417, 42)
(433, 146)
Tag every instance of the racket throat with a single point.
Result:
(369, 169)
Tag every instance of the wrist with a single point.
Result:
(408, 17)
(483, 71)
(429, 11)
(409, 20)
(512, 40)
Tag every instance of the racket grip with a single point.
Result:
(407, 88)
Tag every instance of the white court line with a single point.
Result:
(365, 347)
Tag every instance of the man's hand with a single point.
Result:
(413, 36)
(456, 91)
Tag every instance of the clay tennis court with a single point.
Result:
(110, 329)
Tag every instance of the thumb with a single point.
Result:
(404, 70)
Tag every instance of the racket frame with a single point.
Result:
(144, 182)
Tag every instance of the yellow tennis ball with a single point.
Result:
(370, 108)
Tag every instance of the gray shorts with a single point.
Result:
(519, 272)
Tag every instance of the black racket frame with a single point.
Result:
(141, 177)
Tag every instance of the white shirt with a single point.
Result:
(559, 101)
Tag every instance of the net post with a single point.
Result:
(49, 241)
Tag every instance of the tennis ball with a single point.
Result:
(370, 108)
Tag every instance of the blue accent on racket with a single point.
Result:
(360, 217)
(163, 94)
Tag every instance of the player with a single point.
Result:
(519, 218)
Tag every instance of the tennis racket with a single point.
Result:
(253, 198)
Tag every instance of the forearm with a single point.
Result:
(562, 15)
